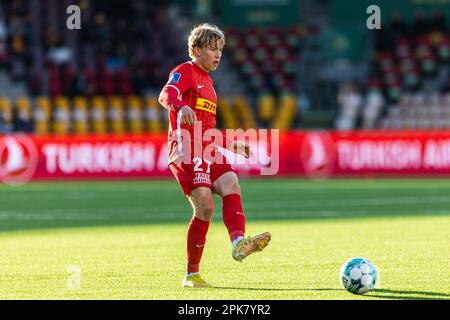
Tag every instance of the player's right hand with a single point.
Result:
(188, 116)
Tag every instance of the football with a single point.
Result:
(358, 275)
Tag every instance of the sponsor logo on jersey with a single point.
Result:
(175, 77)
(202, 178)
(206, 105)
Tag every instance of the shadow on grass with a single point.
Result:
(376, 293)
(131, 203)
(408, 295)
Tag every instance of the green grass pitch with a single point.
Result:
(126, 240)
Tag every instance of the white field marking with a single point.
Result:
(77, 217)
(319, 186)
(14, 215)
(48, 217)
(348, 202)
(259, 204)
(49, 196)
(62, 215)
(337, 213)
(63, 195)
(91, 214)
(102, 210)
(83, 188)
(143, 213)
(295, 214)
(170, 216)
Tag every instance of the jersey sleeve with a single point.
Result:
(180, 80)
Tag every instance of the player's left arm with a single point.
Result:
(239, 147)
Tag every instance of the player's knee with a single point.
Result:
(228, 185)
(202, 203)
(207, 209)
(235, 188)
(205, 206)
(232, 187)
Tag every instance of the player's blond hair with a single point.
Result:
(203, 35)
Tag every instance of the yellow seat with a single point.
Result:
(23, 103)
(80, 115)
(134, 115)
(286, 114)
(5, 106)
(115, 115)
(61, 115)
(6, 113)
(98, 115)
(153, 122)
(42, 115)
(24, 112)
(266, 108)
(245, 112)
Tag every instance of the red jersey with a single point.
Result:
(193, 87)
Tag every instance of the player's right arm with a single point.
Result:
(180, 80)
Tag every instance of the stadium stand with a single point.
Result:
(266, 56)
(412, 68)
(267, 59)
(409, 79)
(103, 79)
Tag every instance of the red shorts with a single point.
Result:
(198, 174)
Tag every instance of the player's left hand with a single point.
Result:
(242, 148)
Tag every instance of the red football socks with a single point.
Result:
(196, 238)
(233, 215)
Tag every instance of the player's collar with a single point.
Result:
(198, 68)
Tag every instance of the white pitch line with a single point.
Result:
(177, 212)
(348, 202)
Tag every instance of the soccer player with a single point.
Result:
(190, 97)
